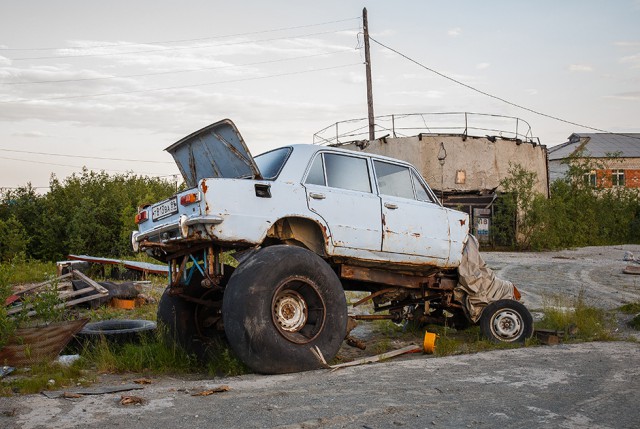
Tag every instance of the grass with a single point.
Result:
(578, 320)
(46, 376)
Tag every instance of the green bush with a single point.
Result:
(575, 214)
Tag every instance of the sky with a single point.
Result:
(109, 85)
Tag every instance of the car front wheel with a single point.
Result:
(506, 321)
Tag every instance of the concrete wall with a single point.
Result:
(484, 163)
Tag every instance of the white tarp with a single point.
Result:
(478, 285)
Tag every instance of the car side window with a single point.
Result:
(316, 172)
(394, 180)
(421, 192)
(347, 172)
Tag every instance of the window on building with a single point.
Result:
(617, 177)
(590, 178)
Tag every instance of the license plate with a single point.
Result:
(164, 209)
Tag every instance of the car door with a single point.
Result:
(339, 189)
(413, 223)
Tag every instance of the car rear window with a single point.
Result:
(270, 163)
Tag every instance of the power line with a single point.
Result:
(183, 40)
(82, 166)
(179, 48)
(178, 87)
(174, 71)
(496, 97)
(85, 156)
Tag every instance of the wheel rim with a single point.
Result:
(290, 311)
(507, 325)
(298, 310)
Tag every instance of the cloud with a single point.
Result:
(455, 32)
(627, 96)
(30, 134)
(580, 68)
(634, 60)
(483, 66)
(627, 43)
(431, 94)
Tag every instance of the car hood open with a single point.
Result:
(217, 150)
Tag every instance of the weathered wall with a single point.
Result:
(484, 163)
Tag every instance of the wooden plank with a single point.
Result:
(91, 282)
(377, 358)
(39, 285)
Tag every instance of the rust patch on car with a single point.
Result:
(204, 186)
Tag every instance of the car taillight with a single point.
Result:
(142, 217)
(192, 198)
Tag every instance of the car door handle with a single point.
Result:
(391, 206)
(316, 196)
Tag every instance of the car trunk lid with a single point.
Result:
(215, 151)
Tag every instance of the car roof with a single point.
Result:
(298, 161)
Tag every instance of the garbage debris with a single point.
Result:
(136, 269)
(630, 257)
(51, 394)
(131, 400)
(36, 344)
(6, 370)
(631, 269)
(219, 389)
(67, 360)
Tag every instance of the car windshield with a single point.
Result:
(270, 163)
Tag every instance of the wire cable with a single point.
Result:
(111, 45)
(85, 156)
(556, 118)
(176, 87)
(179, 48)
(79, 166)
(175, 71)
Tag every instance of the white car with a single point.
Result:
(305, 223)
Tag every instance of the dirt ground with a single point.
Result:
(573, 386)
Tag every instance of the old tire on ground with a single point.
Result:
(506, 321)
(192, 320)
(281, 303)
(117, 330)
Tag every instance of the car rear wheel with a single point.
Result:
(506, 321)
(193, 319)
(280, 304)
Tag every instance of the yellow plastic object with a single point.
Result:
(429, 345)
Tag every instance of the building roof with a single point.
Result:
(598, 145)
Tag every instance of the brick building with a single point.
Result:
(614, 159)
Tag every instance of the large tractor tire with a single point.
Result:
(280, 304)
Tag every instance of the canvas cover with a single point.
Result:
(478, 285)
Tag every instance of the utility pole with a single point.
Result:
(367, 60)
